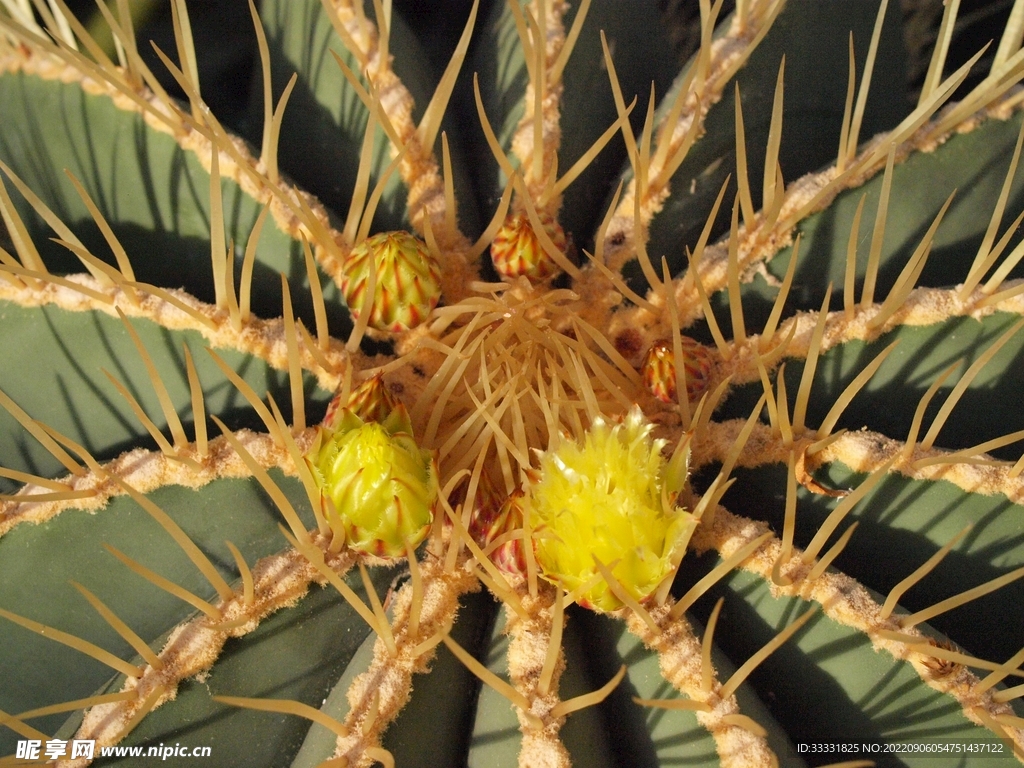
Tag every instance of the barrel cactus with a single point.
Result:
(714, 258)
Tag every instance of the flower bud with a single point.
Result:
(376, 485)
(516, 250)
(408, 281)
(370, 401)
(488, 523)
(659, 370)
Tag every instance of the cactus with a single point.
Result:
(827, 361)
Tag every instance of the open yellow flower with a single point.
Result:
(611, 498)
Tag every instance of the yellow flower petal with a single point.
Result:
(604, 499)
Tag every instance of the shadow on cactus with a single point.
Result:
(573, 416)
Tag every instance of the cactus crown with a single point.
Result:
(661, 398)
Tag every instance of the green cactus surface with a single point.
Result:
(676, 418)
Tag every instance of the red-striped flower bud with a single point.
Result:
(370, 401)
(659, 370)
(408, 281)
(516, 250)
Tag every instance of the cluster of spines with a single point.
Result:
(790, 429)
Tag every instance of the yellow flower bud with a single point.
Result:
(381, 486)
(613, 498)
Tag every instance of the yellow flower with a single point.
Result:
(612, 498)
(381, 486)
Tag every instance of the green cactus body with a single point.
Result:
(484, 246)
